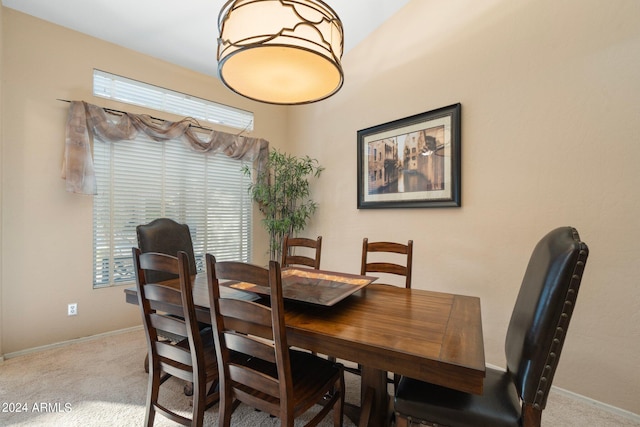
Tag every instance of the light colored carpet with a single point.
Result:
(102, 382)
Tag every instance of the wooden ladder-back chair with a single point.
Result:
(536, 333)
(290, 257)
(276, 379)
(388, 261)
(193, 358)
(388, 266)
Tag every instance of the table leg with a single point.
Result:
(374, 397)
(366, 407)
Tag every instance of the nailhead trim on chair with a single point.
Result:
(560, 333)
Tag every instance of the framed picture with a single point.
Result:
(412, 162)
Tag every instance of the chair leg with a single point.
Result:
(401, 420)
(152, 396)
(188, 389)
(338, 407)
(531, 417)
(199, 403)
(225, 410)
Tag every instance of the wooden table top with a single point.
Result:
(435, 337)
(432, 336)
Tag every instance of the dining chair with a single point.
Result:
(307, 246)
(534, 340)
(193, 358)
(393, 258)
(276, 379)
(166, 236)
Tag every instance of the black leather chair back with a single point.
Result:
(542, 312)
(165, 236)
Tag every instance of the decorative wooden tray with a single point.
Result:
(313, 286)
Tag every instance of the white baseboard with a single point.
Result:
(600, 405)
(587, 400)
(64, 343)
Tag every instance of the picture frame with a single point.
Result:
(412, 162)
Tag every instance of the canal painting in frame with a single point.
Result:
(411, 162)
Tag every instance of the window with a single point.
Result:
(139, 181)
(112, 86)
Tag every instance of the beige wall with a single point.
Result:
(550, 102)
(46, 232)
(550, 98)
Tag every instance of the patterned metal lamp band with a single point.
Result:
(280, 51)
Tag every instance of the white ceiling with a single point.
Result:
(182, 32)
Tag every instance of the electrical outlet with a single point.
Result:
(72, 309)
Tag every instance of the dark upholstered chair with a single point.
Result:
(193, 358)
(290, 257)
(388, 265)
(165, 236)
(536, 333)
(276, 379)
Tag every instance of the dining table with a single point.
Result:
(427, 335)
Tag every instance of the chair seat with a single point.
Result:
(310, 373)
(498, 406)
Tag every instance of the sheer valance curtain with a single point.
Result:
(87, 121)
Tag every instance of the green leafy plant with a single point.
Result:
(282, 193)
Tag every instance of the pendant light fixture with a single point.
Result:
(280, 51)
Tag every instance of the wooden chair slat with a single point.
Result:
(258, 380)
(393, 247)
(171, 368)
(169, 324)
(173, 352)
(385, 267)
(248, 311)
(248, 344)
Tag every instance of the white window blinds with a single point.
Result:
(139, 181)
